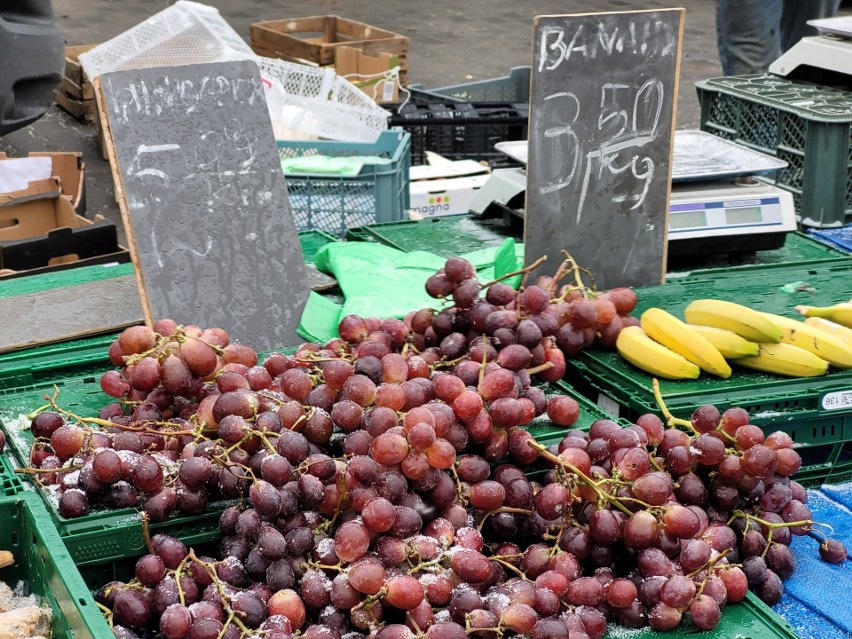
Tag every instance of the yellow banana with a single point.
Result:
(839, 313)
(742, 320)
(835, 329)
(643, 352)
(731, 345)
(785, 359)
(831, 348)
(669, 331)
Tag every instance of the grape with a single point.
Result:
(404, 592)
(704, 612)
(131, 609)
(706, 418)
(832, 551)
(136, 339)
(551, 501)
(114, 384)
(288, 604)
(73, 503)
(663, 617)
(150, 570)
(563, 410)
(585, 591)
(66, 441)
(677, 592)
(175, 622)
(620, 593)
(106, 466)
(45, 424)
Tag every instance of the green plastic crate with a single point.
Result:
(59, 279)
(805, 124)
(100, 535)
(312, 242)
(44, 365)
(798, 250)
(445, 236)
(750, 619)
(10, 482)
(789, 404)
(42, 562)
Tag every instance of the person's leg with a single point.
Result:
(748, 35)
(795, 15)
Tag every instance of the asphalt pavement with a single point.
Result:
(450, 43)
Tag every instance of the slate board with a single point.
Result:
(69, 313)
(604, 90)
(203, 199)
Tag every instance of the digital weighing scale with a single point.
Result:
(829, 51)
(716, 205)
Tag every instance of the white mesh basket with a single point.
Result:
(184, 33)
(321, 103)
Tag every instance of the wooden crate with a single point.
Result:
(75, 93)
(314, 40)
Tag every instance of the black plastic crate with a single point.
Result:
(462, 130)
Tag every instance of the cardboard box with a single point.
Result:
(68, 167)
(314, 40)
(40, 229)
(368, 72)
(446, 188)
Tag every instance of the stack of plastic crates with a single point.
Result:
(805, 124)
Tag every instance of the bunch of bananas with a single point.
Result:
(717, 334)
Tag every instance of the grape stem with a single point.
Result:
(540, 368)
(522, 271)
(502, 509)
(514, 569)
(107, 613)
(484, 357)
(671, 420)
(37, 471)
(710, 563)
(211, 570)
(576, 268)
(31, 416)
(146, 534)
(542, 450)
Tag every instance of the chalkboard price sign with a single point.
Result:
(203, 199)
(604, 90)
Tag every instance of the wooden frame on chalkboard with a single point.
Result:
(121, 198)
(540, 231)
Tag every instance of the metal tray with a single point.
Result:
(699, 156)
(841, 26)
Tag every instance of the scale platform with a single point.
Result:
(830, 51)
(716, 206)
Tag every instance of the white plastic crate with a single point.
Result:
(318, 102)
(184, 33)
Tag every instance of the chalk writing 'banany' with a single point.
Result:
(652, 38)
(167, 96)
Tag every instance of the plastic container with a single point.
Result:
(806, 125)
(316, 101)
(184, 33)
(822, 430)
(334, 203)
(840, 238)
(462, 130)
(98, 536)
(514, 87)
(445, 236)
(43, 563)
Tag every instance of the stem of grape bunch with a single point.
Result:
(671, 420)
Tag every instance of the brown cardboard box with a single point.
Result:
(364, 71)
(68, 167)
(313, 40)
(42, 217)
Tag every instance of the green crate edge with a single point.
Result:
(10, 483)
(719, 85)
(76, 616)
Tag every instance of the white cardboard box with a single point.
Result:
(445, 188)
